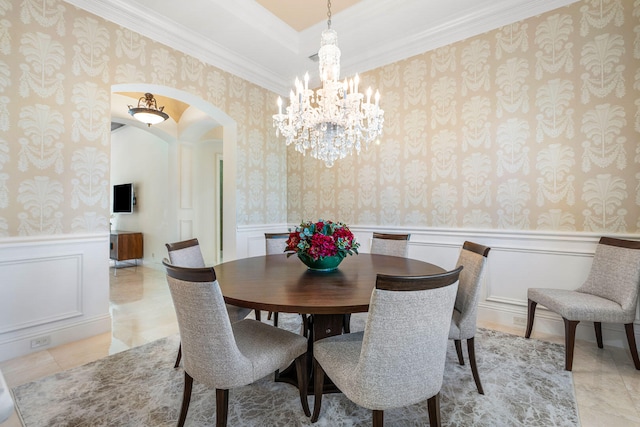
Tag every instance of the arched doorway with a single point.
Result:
(182, 137)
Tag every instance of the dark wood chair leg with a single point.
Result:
(301, 373)
(378, 418)
(346, 323)
(269, 315)
(222, 407)
(275, 319)
(179, 356)
(318, 382)
(531, 312)
(569, 341)
(305, 325)
(474, 367)
(258, 317)
(598, 328)
(186, 398)
(434, 411)
(458, 344)
(631, 338)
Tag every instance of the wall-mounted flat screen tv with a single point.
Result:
(123, 198)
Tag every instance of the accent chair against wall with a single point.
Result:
(610, 294)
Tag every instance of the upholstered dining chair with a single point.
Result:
(223, 355)
(473, 257)
(609, 294)
(398, 360)
(390, 244)
(187, 253)
(384, 244)
(275, 243)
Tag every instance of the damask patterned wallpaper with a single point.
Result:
(57, 65)
(533, 126)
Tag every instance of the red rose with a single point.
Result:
(292, 241)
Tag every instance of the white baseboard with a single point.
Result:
(21, 345)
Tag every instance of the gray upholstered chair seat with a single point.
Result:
(263, 345)
(609, 294)
(573, 305)
(237, 313)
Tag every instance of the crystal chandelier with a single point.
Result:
(334, 119)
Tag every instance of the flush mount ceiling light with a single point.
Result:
(335, 119)
(147, 111)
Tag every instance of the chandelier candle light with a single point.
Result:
(336, 118)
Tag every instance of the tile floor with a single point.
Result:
(607, 386)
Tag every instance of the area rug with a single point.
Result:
(524, 381)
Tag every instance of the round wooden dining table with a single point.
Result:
(278, 283)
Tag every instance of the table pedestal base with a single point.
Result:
(320, 326)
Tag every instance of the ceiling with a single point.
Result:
(269, 42)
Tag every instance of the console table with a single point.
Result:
(125, 245)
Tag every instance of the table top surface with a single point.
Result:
(277, 283)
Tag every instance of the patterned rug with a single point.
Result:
(524, 381)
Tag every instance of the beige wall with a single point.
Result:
(533, 126)
(513, 129)
(57, 66)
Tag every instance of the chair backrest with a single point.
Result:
(405, 338)
(186, 253)
(210, 352)
(474, 259)
(390, 244)
(615, 273)
(275, 243)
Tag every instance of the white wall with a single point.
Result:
(141, 158)
(175, 185)
(206, 191)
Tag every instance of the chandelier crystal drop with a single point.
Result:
(335, 119)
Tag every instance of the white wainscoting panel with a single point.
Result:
(54, 290)
(60, 297)
(250, 239)
(510, 268)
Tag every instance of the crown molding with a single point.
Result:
(154, 26)
(471, 24)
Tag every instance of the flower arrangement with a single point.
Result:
(318, 240)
